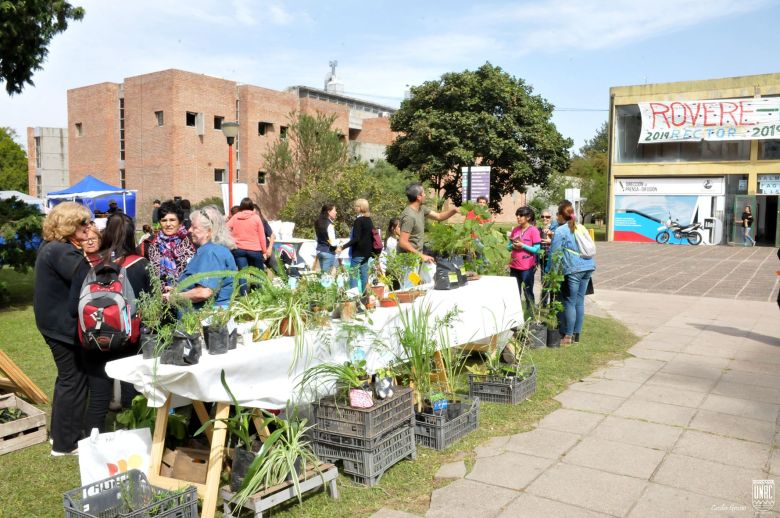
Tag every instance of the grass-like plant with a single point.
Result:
(238, 424)
(351, 374)
(416, 344)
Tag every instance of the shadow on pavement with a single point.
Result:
(741, 333)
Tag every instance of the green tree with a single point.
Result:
(485, 116)
(13, 163)
(590, 169)
(20, 230)
(311, 151)
(383, 186)
(26, 29)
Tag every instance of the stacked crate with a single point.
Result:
(366, 441)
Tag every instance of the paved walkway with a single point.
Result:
(682, 428)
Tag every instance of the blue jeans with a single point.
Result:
(361, 263)
(574, 302)
(245, 258)
(525, 283)
(326, 260)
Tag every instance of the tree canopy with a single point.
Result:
(26, 29)
(13, 163)
(484, 117)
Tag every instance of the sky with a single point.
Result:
(569, 51)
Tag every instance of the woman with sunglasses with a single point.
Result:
(59, 264)
(214, 243)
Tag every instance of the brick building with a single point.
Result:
(160, 133)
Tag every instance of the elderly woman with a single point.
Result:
(212, 238)
(59, 264)
(91, 245)
(170, 249)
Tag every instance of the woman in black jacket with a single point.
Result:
(59, 264)
(361, 242)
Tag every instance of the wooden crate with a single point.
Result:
(23, 432)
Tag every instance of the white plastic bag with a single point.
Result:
(103, 455)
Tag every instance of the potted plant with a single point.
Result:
(499, 382)
(399, 267)
(384, 379)
(216, 333)
(187, 343)
(285, 455)
(239, 429)
(351, 375)
(551, 293)
(154, 311)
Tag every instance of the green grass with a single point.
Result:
(32, 483)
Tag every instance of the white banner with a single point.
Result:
(769, 184)
(723, 119)
(713, 186)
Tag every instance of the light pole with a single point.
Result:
(230, 130)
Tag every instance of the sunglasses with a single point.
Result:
(546, 217)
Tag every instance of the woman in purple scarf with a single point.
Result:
(170, 249)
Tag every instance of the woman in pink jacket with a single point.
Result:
(246, 227)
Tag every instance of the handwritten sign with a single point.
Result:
(724, 119)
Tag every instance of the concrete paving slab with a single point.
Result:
(754, 366)
(639, 433)
(468, 498)
(677, 381)
(543, 442)
(656, 412)
(752, 378)
(651, 354)
(745, 391)
(579, 400)
(590, 488)
(734, 426)
(774, 462)
(573, 421)
(658, 345)
(658, 500)
(451, 470)
(608, 387)
(669, 395)
(707, 349)
(392, 513)
(728, 483)
(708, 361)
(621, 374)
(510, 470)
(492, 447)
(741, 407)
(694, 370)
(615, 457)
(646, 364)
(531, 506)
(735, 452)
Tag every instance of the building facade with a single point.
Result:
(160, 133)
(696, 152)
(47, 160)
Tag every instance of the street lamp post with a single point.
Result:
(230, 130)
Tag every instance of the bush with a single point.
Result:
(214, 200)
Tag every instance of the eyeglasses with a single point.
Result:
(84, 222)
(546, 217)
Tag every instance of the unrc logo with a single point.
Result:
(123, 465)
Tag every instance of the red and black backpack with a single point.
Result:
(108, 313)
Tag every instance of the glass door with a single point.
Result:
(737, 228)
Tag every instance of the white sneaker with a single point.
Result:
(64, 453)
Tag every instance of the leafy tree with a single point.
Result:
(26, 29)
(310, 152)
(589, 167)
(485, 116)
(13, 163)
(20, 231)
(383, 187)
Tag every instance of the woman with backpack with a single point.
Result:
(59, 263)
(361, 243)
(117, 248)
(577, 269)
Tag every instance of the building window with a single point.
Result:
(261, 177)
(218, 122)
(38, 186)
(191, 118)
(38, 152)
(219, 175)
(78, 129)
(262, 128)
(282, 132)
(769, 149)
(122, 182)
(121, 128)
(160, 118)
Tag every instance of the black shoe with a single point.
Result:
(576, 338)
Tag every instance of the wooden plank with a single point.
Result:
(441, 372)
(23, 384)
(7, 385)
(203, 416)
(23, 441)
(216, 458)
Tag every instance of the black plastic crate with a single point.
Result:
(109, 498)
(439, 431)
(365, 423)
(347, 441)
(367, 466)
(502, 389)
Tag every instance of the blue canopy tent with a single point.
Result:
(95, 195)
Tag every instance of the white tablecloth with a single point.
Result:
(257, 373)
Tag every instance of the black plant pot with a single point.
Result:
(233, 341)
(148, 345)
(298, 464)
(184, 349)
(537, 335)
(218, 340)
(455, 409)
(174, 353)
(553, 337)
(242, 458)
